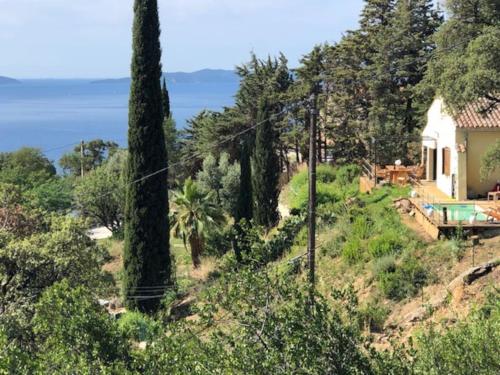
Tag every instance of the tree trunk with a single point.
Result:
(297, 152)
(196, 245)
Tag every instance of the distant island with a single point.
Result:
(201, 76)
(8, 81)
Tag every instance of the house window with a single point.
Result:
(446, 161)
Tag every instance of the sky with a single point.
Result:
(92, 38)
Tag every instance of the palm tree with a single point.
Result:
(194, 214)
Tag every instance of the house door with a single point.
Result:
(434, 164)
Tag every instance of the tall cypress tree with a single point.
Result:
(147, 253)
(245, 198)
(265, 171)
(165, 97)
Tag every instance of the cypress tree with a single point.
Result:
(245, 197)
(165, 98)
(146, 253)
(265, 163)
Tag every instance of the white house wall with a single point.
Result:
(441, 127)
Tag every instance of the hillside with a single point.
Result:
(403, 281)
(8, 81)
(201, 76)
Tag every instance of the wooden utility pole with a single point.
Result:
(82, 146)
(311, 242)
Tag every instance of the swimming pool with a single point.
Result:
(461, 212)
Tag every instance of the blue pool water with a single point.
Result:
(461, 212)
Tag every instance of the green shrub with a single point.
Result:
(325, 194)
(362, 227)
(332, 247)
(385, 244)
(385, 264)
(137, 326)
(352, 251)
(324, 173)
(347, 174)
(457, 244)
(373, 316)
(405, 281)
(470, 347)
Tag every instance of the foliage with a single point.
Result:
(458, 246)
(95, 153)
(147, 250)
(353, 251)
(405, 280)
(244, 204)
(74, 334)
(137, 326)
(470, 347)
(265, 170)
(490, 160)
(26, 168)
(385, 244)
(465, 66)
(100, 195)
(223, 178)
(15, 217)
(29, 266)
(373, 316)
(53, 195)
(195, 214)
(334, 185)
(272, 332)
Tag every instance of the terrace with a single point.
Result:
(434, 210)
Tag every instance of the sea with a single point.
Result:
(55, 115)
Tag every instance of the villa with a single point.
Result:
(453, 146)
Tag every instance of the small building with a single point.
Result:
(453, 146)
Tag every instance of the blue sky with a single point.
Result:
(91, 38)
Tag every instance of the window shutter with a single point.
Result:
(446, 161)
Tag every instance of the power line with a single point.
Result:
(199, 154)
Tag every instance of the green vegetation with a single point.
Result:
(147, 252)
(245, 308)
(100, 195)
(465, 67)
(490, 161)
(95, 153)
(195, 215)
(265, 167)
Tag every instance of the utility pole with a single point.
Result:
(82, 146)
(311, 241)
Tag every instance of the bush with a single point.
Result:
(362, 227)
(471, 347)
(405, 281)
(373, 316)
(386, 244)
(325, 194)
(324, 174)
(138, 327)
(352, 251)
(385, 264)
(347, 174)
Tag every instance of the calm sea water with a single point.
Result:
(54, 114)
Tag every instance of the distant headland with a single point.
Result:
(201, 76)
(8, 81)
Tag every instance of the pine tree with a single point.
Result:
(146, 253)
(265, 169)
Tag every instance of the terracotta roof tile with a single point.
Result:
(471, 117)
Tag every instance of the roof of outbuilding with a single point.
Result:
(473, 116)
